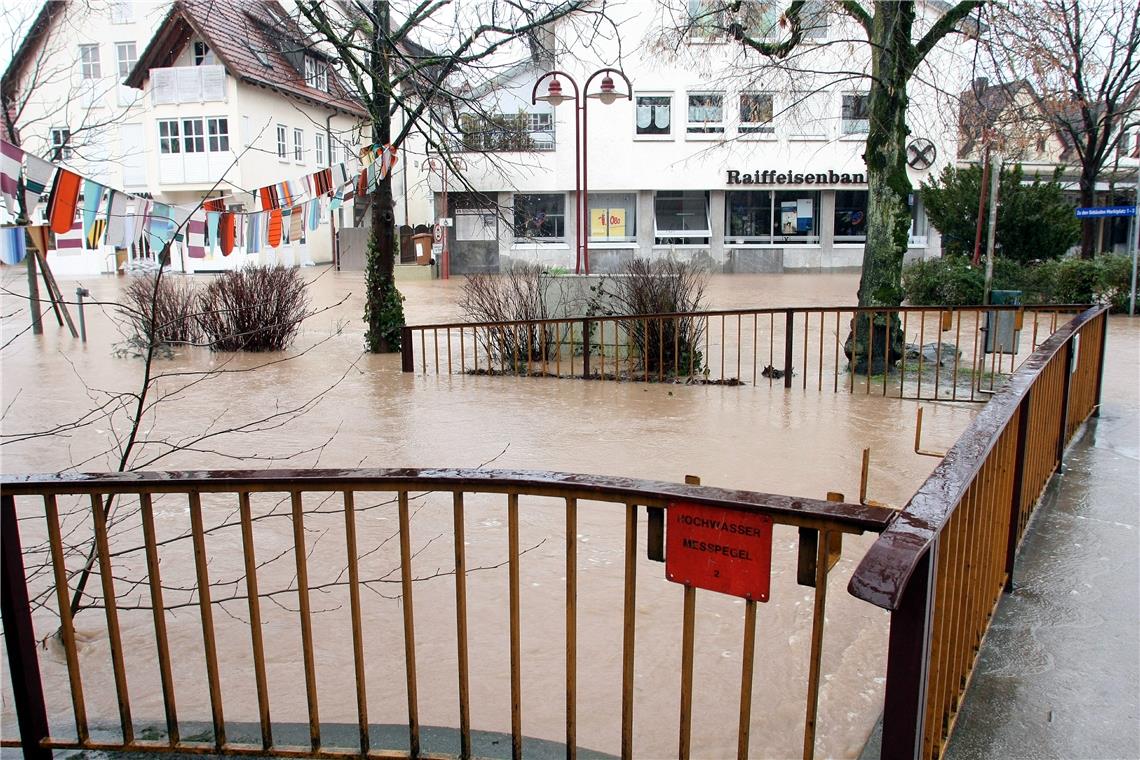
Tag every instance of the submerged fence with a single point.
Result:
(181, 548)
(947, 353)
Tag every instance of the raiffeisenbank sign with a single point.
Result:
(770, 177)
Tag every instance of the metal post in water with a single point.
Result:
(79, 294)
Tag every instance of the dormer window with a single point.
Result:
(317, 73)
(203, 56)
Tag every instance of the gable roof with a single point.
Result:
(239, 33)
(38, 33)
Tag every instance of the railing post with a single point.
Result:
(1100, 360)
(1018, 487)
(789, 320)
(20, 637)
(908, 657)
(585, 349)
(407, 361)
(1067, 384)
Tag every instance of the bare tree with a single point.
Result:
(1074, 68)
(416, 66)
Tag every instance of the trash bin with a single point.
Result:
(422, 244)
(1002, 333)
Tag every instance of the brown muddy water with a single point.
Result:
(366, 413)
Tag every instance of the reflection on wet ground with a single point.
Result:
(366, 413)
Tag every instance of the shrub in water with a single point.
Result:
(254, 309)
(949, 280)
(161, 309)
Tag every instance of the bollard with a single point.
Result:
(79, 294)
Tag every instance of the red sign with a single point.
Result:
(719, 549)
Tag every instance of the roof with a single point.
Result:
(37, 33)
(238, 32)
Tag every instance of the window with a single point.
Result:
(218, 130)
(748, 216)
(202, 54)
(814, 20)
(706, 113)
(334, 151)
(497, 132)
(317, 73)
(127, 56)
(260, 55)
(122, 12)
(168, 137)
(756, 113)
(613, 217)
(706, 20)
(652, 114)
(89, 61)
(540, 128)
(681, 217)
(320, 152)
(281, 147)
(856, 113)
(850, 216)
(807, 116)
(61, 144)
(193, 140)
(918, 227)
(796, 216)
(540, 217)
(761, 19)
(298, 145)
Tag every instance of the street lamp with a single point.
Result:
(607, 94)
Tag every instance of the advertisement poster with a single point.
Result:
(788, 222)
(607, 222)
(804, 214)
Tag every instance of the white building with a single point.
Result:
(716, 158)
(179, 101)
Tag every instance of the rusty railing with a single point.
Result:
(946, 354)
(942, 565)
(136, 524)
(193, 544)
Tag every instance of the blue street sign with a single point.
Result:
(1084, 213)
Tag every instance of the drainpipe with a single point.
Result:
(332, 217)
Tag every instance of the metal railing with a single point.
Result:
(947, 354)
(942, 565)
(938, 567)
(136, 581)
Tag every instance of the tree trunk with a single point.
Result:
(1087, 187)
(383, 308)
(888, 216)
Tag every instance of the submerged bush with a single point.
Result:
(517, 294)
(161, 310)
(949, 281)
(254, 309)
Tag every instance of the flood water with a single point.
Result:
(362, 411)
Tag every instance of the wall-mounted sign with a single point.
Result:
(719, 549)
(1092, 212)
(920, 154)
(769, 177)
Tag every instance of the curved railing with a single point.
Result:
(941, 566)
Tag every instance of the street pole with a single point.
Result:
(1134, 242)
(995, 178)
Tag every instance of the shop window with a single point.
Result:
(653, 114)
(850, 216)
(748, 216)
(856, 113)
(613, 217)
(796, 218)
(681, 217)
(706, 113)
(540, 217)
(756, 113)
(918, 225)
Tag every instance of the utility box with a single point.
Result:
(1003, 328)
(422, 243)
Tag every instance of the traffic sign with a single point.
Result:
(437, 233)
(1099, 211)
